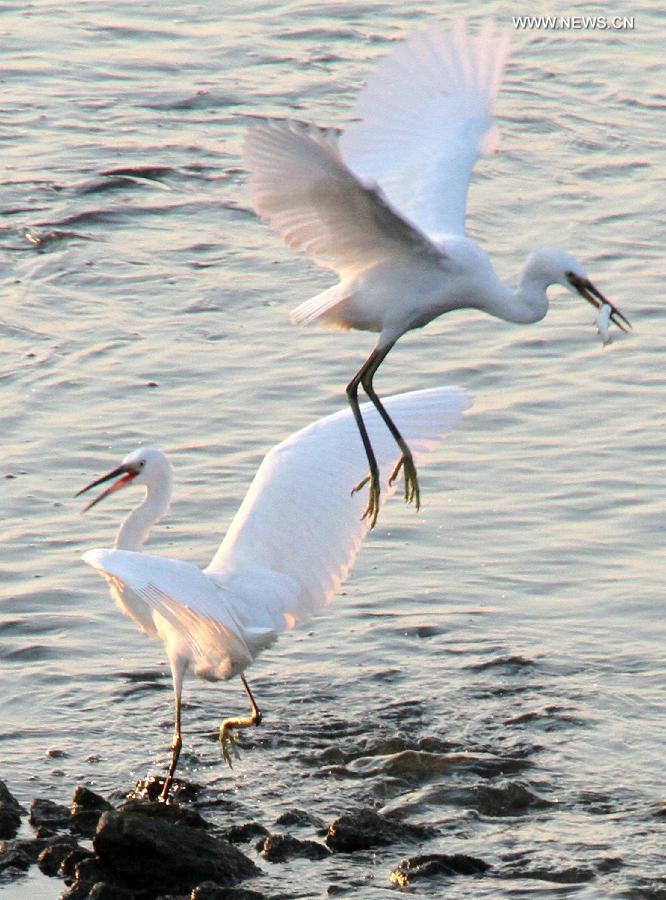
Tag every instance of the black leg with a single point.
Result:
(227, 736)
(372, 509)
(412, 492)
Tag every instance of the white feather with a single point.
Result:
(289, 547)
(423, 119)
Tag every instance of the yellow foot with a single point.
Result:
(412, 492)
(372, 509)
(228, 741)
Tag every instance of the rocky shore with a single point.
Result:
(141, 849)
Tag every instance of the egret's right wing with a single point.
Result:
(300, 184)
(422, 119)
(298, 530)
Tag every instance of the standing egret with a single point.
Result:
(383, 205)
(286, 553)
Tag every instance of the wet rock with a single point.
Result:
(151, 789)
(430, 865)
(89, 873)
(54, 854)
(243, 834)
(10, 812)
(512, 799)
(569, 875)
(166, 849)
(50, 815)
(14, 855)
(211, 891)
(280, 847)
(365, 828)
(87, 807)
(300, 817)
(68, 867)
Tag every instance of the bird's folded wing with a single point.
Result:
(198, 614)
(422, 120)
(299, 183)
(299, 519)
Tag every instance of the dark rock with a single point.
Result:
(300, 817)
(365, 828)
(88, 872)
(87, 807)
(10, 812)
(150, 845)
(151, 789)
(13, 855)
(104, 891)
(512, 799)
(211, 891)
(13, 852)
(68, 867)
(430, 865)
(243, 834)
(280, 847)
(53, 855)
(47, 814)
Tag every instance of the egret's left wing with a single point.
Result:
(422, 119)
(301, 185)
(195, 609)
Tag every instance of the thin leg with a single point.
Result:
(372, 509)
(175, 752)
(227, 736)
(406, 461)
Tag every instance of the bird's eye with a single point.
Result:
(142, 463)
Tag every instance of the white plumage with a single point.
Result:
(384, 206)
(287, 551)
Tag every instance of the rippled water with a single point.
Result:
(517, 619)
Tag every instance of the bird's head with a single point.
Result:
(143, 466)
(558, 267)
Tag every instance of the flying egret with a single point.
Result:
(286, 553)
(383, 205)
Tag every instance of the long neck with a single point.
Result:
(528, 304)
(134, 531)
(531, 297)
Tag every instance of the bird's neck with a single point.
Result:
(134, 531)
(531, 298)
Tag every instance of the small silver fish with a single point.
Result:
(603, 322)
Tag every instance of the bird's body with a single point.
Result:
(286, 553)
(383, 205)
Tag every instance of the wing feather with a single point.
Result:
(300, 184)
(299, 522)
(190, 612)
(424, 117)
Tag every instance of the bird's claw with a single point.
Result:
(412, 492)
(228, 739)
(372, 509)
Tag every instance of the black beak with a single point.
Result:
(125, 474)
(594, 296)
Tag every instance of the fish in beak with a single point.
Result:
(594, 296)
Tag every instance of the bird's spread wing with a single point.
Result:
(200, 622)
(422, 120)
(299, 527)
(300, 184)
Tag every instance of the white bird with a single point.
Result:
(286, 553)
(383, 205)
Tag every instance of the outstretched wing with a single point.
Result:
(422, 120)
(179, 604)
(300, 184)
(299, 527)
